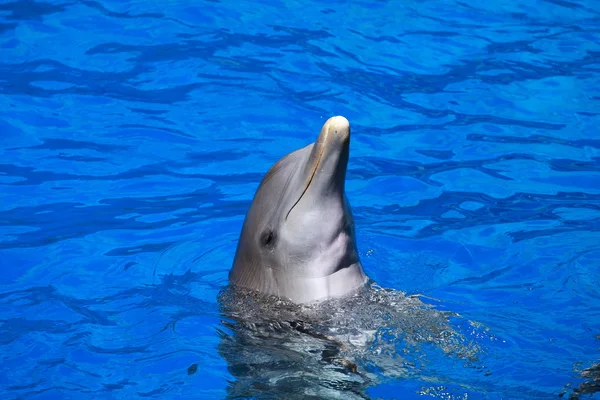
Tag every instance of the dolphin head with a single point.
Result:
(298, 241)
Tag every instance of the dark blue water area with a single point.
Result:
(134, 133)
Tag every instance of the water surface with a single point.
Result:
(134, 133)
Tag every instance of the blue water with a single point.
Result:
(134, 133)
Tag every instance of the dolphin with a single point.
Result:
(298, 241)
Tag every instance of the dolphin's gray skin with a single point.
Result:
(298, 240)
(298, 243)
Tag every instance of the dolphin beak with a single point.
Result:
(335, 128)
(334, 140)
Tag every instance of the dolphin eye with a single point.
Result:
(267, 238)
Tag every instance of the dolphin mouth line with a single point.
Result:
(310, 178)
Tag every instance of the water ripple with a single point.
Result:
(134, 134)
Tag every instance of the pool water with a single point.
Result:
(133, 135)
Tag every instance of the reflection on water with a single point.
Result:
(276, 349)
(134, 133)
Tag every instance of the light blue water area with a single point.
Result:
(134, 133)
